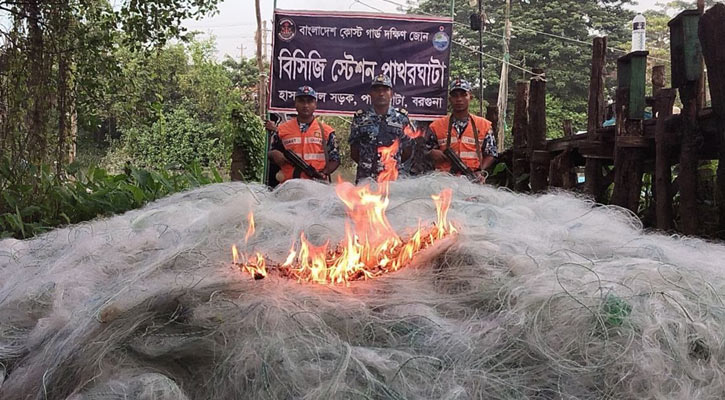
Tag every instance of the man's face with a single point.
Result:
(306, 106)
(459, 99)
(380, 95)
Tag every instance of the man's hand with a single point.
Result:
(270, 126)
(277, 157)
(437, 156)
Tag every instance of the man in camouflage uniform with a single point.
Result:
(376, 128)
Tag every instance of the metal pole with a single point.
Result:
(261, 87)
(453, 17)
(480, 57)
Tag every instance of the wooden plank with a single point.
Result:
(537, 131)
(594, 178)
(664, 101)
(520, 133)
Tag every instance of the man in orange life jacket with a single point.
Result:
(311, 139)
(469, 136)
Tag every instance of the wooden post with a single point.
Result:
(537, 132)
(686, 74)
(629, 142)
(561, 171)
(594, 183)
(664, 101)
(701, 83)
(492, 114)
(627, 155)
(658, 79)
(568, 129)
(711, 33)
(520, 132)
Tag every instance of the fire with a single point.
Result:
(250, 230)
(387, 159)
(413, 134)
(370, 248)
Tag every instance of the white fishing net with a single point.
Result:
(542, 297)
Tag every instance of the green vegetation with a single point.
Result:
(45, 199)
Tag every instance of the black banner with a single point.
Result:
(339, 54)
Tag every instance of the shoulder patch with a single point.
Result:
(359, 112)
(403, 111)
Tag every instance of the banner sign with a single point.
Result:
(339, 54)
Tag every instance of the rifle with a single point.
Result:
(302, 165)
(458, 165)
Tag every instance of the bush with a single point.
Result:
(248, 134)
(35, 199)
(175, 140)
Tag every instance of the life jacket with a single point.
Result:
(466, 147)
(310, 146)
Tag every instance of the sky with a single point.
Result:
(235, 23)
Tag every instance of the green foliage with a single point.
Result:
(35, 199)
(567, 62)
(249, 136)
(62, 57)
(174, 141)
(557, 113)
(175, 108)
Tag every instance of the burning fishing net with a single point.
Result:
(370, 248)
(542, 297)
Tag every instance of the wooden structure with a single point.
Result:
(635, 145)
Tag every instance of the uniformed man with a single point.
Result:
(469, 136)
(377, 128)
(311, 139)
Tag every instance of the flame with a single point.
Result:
(235, 254)
(387, 159)
(413, 134)
(370, 247)
(250, 230)
(256, 266)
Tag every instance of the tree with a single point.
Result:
(58, 52)
(554, 35)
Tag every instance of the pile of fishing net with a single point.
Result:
(544, 297)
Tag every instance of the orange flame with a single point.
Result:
(235, 254)
(387, 159)
(256, 266)
(250, 230)
(371, 246)
(413, 134)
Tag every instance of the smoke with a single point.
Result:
(542, 297)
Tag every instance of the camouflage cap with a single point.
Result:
(460, 84)
(381, 80)
(306, 91)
